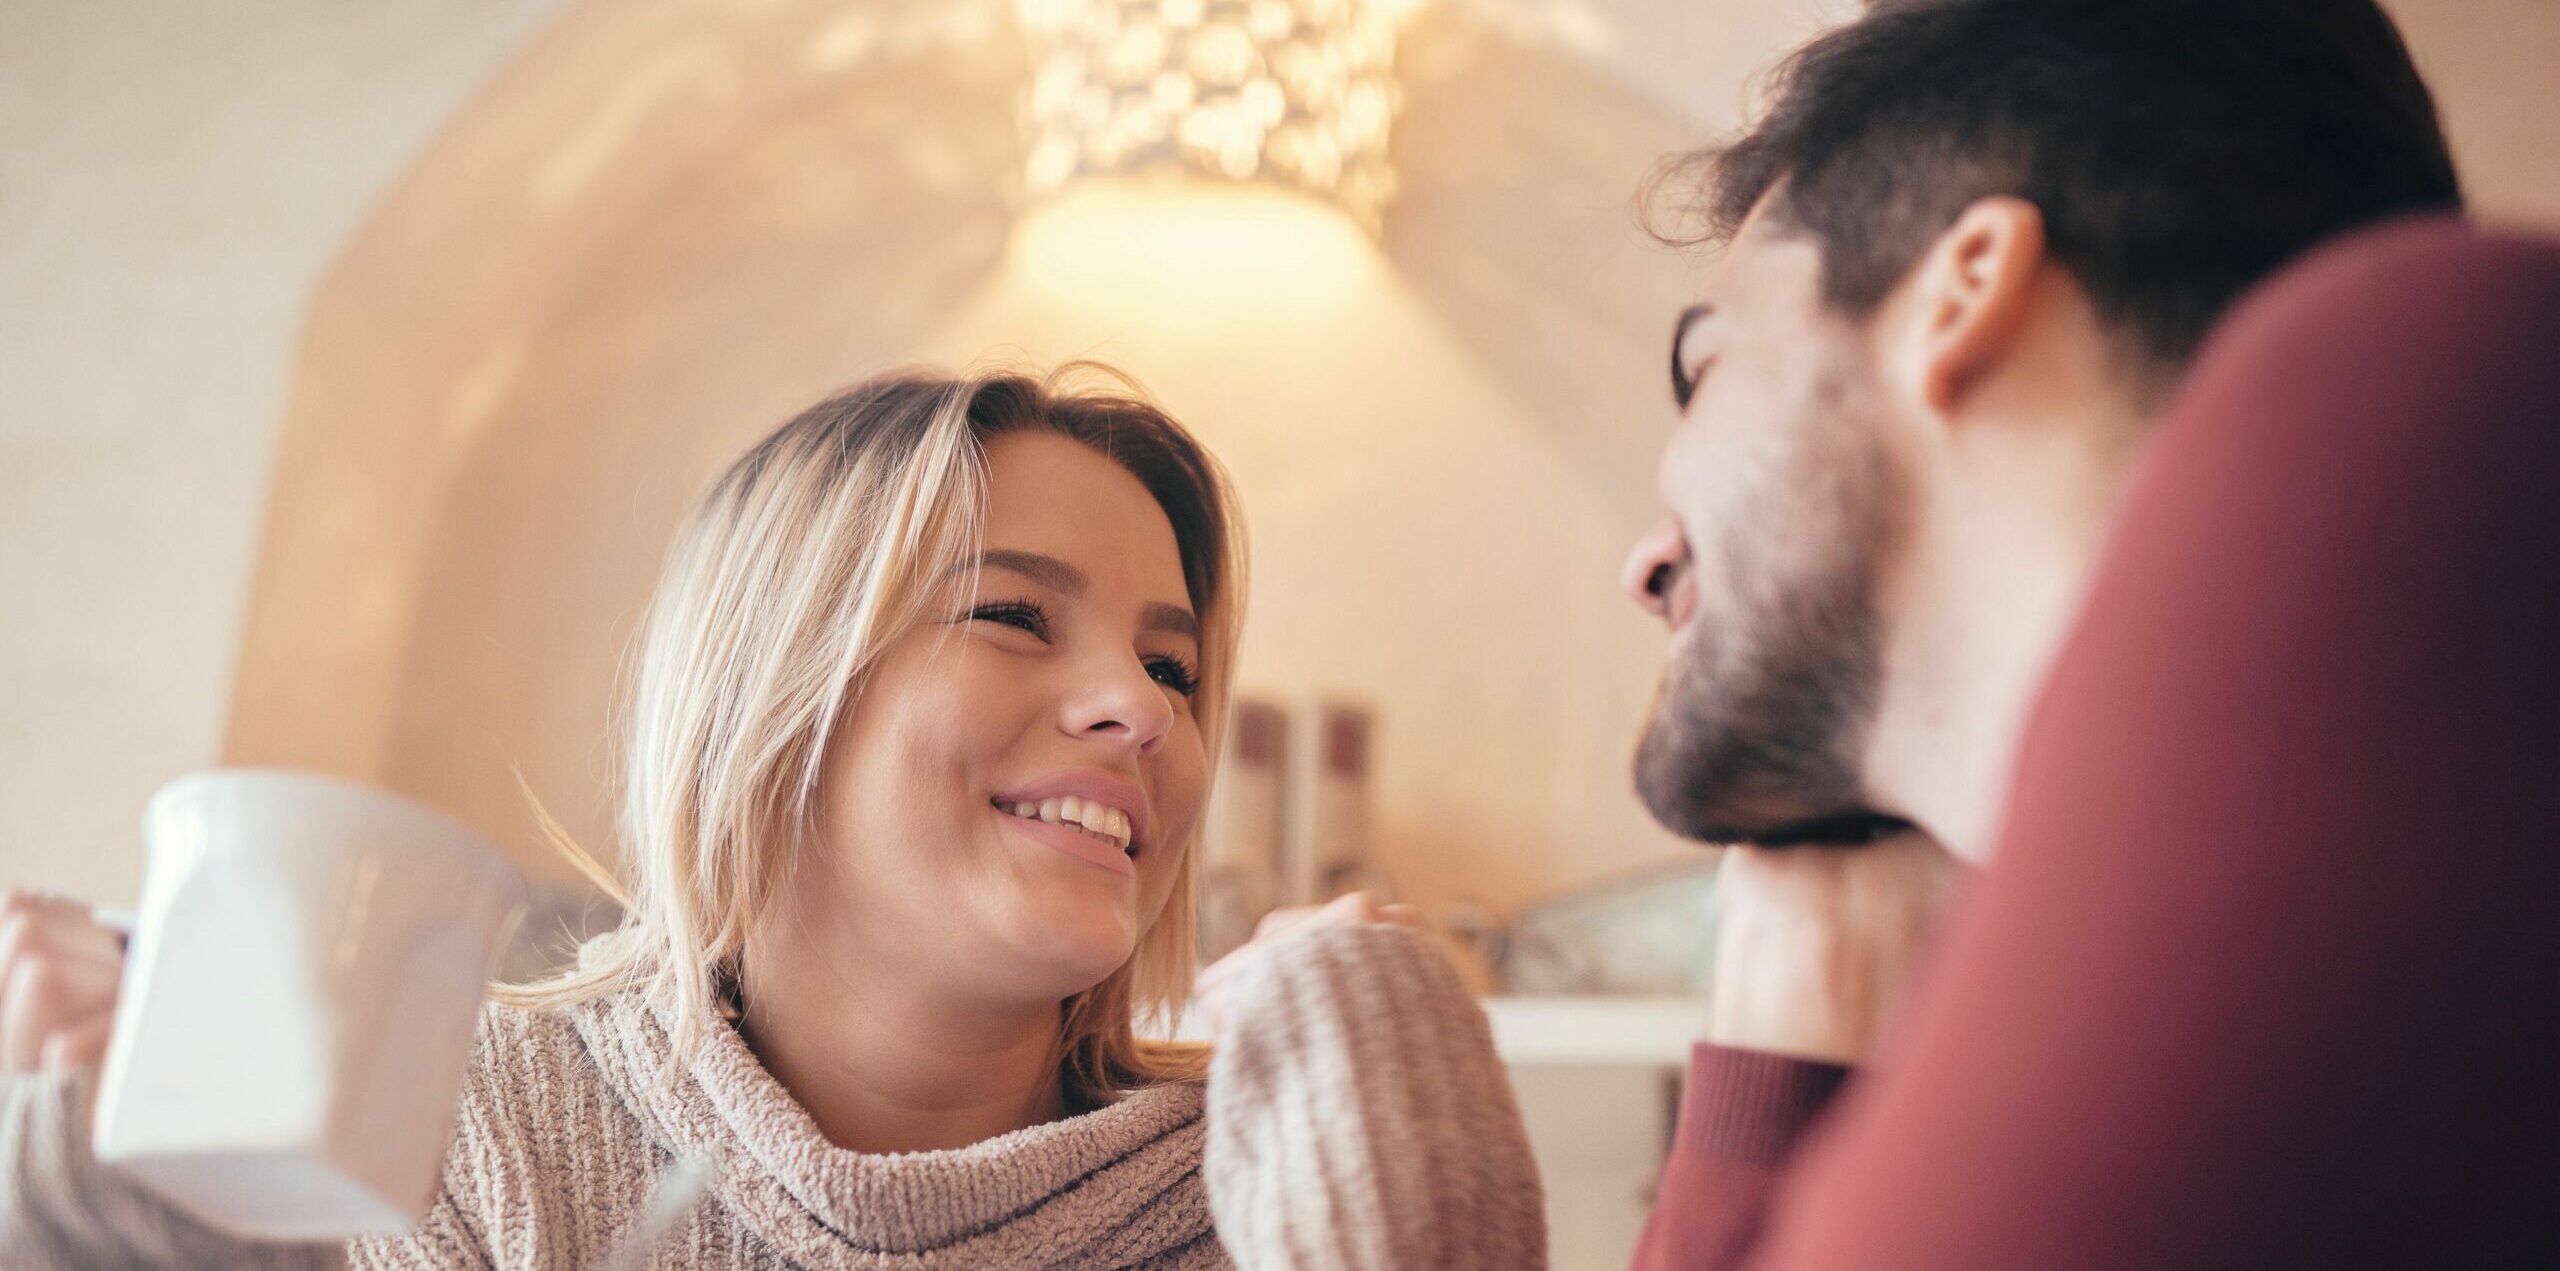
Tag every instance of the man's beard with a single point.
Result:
(1764, 710)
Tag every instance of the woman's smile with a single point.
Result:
(1102, 822)
(1091, 814)
(1074, 840)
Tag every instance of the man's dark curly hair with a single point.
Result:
(2178, 150)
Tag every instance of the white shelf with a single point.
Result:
(1556, 1031)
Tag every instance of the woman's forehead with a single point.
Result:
(1052, 496)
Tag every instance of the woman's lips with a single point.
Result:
(1072, 841)
(1112, 790)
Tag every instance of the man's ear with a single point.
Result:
(1965, 300)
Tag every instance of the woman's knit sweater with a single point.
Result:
(1355, 1116)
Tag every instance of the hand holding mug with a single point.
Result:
(299, 1005)
(59, 968)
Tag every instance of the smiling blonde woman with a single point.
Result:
(920, 732)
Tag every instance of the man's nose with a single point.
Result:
(1651, 567)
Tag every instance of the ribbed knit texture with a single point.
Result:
(1743, 1115)
(570, 1109)
(1751, 1106)
(1359, 1118)
(60, 1209)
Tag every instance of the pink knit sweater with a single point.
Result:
(1282, 1159)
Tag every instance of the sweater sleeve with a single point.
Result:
(1742, 1115)
(63, 1210)
(2262, 974)
(1359, 1117)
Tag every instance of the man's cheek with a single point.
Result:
(1690, 466)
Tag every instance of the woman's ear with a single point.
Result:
(1966, 300)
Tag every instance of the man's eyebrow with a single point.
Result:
(1169, 618)
(1048, 571)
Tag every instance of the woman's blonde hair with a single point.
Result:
(793, 573)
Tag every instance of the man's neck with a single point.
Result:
(886, 1062)
(2000, 560)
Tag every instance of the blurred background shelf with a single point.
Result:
(1598, 1079)
(1560, 1031)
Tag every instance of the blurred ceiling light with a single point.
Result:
(1290, 93)
(846, 40)
(1162, 250)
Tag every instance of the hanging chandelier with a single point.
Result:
(1296, 94)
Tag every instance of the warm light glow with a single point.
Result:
(1174, 252)
(1293, 93)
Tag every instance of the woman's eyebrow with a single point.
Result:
(1048, 571)
(1173, 619)
(1067, 580)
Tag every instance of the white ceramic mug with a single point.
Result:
(300, 1001)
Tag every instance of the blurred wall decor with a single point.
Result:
(1244, 843)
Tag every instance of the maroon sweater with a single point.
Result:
(2266, 970)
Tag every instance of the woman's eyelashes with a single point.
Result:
(1028, 616)
(1024, 615)
(1175, 674)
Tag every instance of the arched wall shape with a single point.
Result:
(588, 296)
(473, 289)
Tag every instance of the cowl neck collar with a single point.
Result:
(1116, 1186)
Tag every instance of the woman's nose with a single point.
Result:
(1653, 565)
(1123, 703)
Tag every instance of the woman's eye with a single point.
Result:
(1020, 615)
(1174, 674)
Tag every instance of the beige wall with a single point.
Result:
(662, 226)
(2495, 68)
(173, 179)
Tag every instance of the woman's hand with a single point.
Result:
(59, 968)
(1209, 988)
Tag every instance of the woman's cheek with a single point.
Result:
(1181, 820)
(1186, 777)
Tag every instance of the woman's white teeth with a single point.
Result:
(1097, 819)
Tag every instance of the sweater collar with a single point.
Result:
(1111, 1187)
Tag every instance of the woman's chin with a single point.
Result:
(1077, 954)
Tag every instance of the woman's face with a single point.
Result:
(1058, 692)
